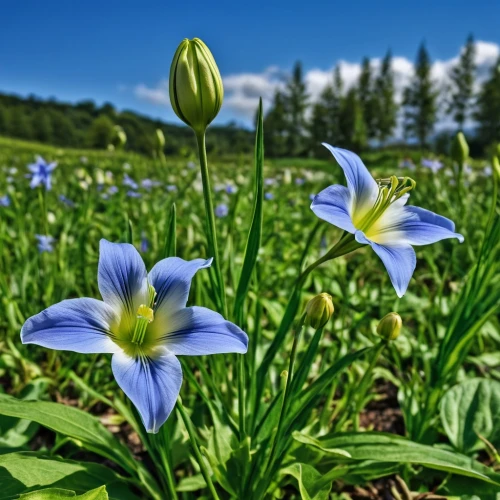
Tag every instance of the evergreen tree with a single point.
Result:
(488, 108)
(295, 105)
(63, 130)
(420, 100)
(385, 106)
(101, 132)
(19, 124)
(366, 97)
(42, 126)
(275, 128)
(462, 84)
(353, 126)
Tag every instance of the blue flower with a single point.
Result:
(5, 201)
(299, 181)
(144, 322)
(434, 165)
(376, 214)
(312, 196)
(133, 194)
(171, 188)
(66, 201)
(41, 173)
(144, 243)
(45, 243)
(221, 210)
(268, 196)
(148, 184)
(128, 181)
(230, 189)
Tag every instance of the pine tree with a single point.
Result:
(275, 127)
(385, 105)
(352, 123)
(366, 97)
(488, 108)
(420, 100)
(42, 126)
(295, 105)
(19, 124)
(462, 84)
(100, 133)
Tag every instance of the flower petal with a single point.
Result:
(195, 331)
(399, 260)
(333, 204)
(362, 186)
(151, 382)
(79, 325)
(122, 278)
(171, 279)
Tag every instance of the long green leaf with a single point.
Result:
(170, 248)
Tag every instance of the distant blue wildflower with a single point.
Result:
(299, 181)
(269, 196)
(376, 214)
(112, 190)
(45, 243)
(269, 181)
(191, 164)
(148, 184)
(221, 210)
(407, 163)
(488, 171)
(144, 322)
(5, 201)
(230, 189)
(66, 201)
(133, 194)
(434, 165)
(144, 242)
(128, 181)
(171, 188)
(41, 173)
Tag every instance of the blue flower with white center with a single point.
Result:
(221, 210)
(41, 173)
(144, 322)
(45, 243)
(375, 213)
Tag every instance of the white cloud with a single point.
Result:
(242, 90)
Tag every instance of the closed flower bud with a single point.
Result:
(160, 139)
(390, 326)
(319, 310)
(460, 149)
(496, 166)
(195, 85)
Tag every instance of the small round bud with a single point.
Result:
(319, 310)
(460, 149)
(390, 326)
(195, 85)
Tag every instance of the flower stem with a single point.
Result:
(199, 458)
(210, 219)
(241, 395)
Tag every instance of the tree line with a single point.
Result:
(368, 113)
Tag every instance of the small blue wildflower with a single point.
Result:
(221, 210)
(299, 181)
(112, 190)
(4, 201)
(128, 181)
(148, 184)
(133, 194)
(144, 322)
(144, 242)
(41, 173)
(45, 243)
(171, 188)
(269, 196)
(406, 163)
(66, 201)
(269, 181)
(230, 189)
(191, 165)
(434, 165)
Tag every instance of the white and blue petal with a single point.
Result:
(151, 382)
(79, 325)
(195, 331)
(122, 279)
(334, 205)
(171, 279)
(399, 259)
(362, 186)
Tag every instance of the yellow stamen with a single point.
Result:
(145, 315)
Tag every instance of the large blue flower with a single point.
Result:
(376, 214)
(144, 322)
(41, 173)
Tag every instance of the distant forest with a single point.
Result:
(86, 125)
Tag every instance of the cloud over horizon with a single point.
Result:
(242, 90)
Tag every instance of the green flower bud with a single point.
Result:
(119, 137)
(460, 149)
(319, 310)
(195, 85)
(390, 326)
(160, 139)
(496, 166)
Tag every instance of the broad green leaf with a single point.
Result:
(70, 422)
(57, 494)
(25, 471)
(311, 484)
(192, 483)
(469, 410)
(379, 446)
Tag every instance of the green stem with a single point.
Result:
(363, 385)
(162, 447)
(241, 395)
(286, 397)
(42, 198)
(192, 437)
(210, 218)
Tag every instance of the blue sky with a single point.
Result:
(120, 51)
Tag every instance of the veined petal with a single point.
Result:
(362, 186)
(152, 383)
(171, 279)
(195, 331)
(79, 325)
(122, 279)
(399, 260)
(334, 204)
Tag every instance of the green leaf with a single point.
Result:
(469, 410)
(311, 484)
(255, 233)
(170, 248)
(25, 471)
(73, 423)
(192, 483)
(382, 447)
(57, 494)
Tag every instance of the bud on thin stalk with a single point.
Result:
(390, 326)
(319, 310)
